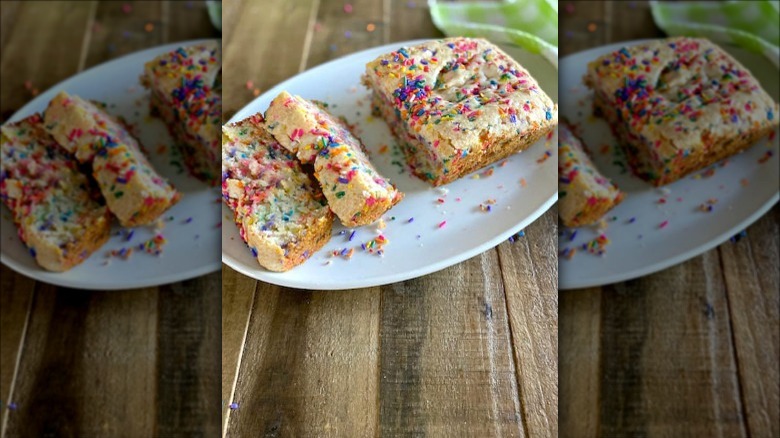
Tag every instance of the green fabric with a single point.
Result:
(753, 25)
(215, 13)
(530, 24)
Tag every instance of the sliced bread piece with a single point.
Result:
(51, 201)
(135, 193)
(187, 95)
(279, 210)
(585, 195)
(356, 192)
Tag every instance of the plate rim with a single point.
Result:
(43, 275)
(236, 265)
(686, 255)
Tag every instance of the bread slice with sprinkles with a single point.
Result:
(186, 93)
(58, 216)
(134, 192)
(355, 191)
(584, 194)
(679, 105)
(458, 104)
(280, 211)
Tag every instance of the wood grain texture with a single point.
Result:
(290, 384)
(259, 59)
(753, 292)
(329, 37)
(75, 378)
(15, 302)
(238, 295)
(435, 355)
(579, 338)
(689, 351)
(188, 365)
(132, 363)
(534, 321)
(664, 347)
(46, 59)
(447, 366)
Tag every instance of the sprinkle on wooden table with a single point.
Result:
(737, 237)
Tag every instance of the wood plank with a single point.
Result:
(578, 367)
(753, 287)
(631, 21)
(289, 378)
(238, 294)
(446, 355)
(46, 59)
(410, 21)
(8, 19)
(87, 365)
(188, 358)
(667, 359)
(15, 306)
(188, 20)
(24, 59)
(582, 25)
(189, 336)
(580, 318)
(671, 347)
(250, 56)
(338, 33)
(310, 365)
(529, 268)
(112, 339)
(121, 28)
(239, 17)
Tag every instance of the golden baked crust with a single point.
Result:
(584, 194)
(355, 191)
(51, 201)
(679, 105)
(279, 210)
(186, 94)
(134, 192)
(61, 258)
(458, 104)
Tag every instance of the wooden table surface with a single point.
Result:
(468, 351)
(81, 363)
(689, 351)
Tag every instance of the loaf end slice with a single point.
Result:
(279, 210)
(356, 192)
(58, 216)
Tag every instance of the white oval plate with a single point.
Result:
(192, 245)
(663, 234)
(419, 247)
